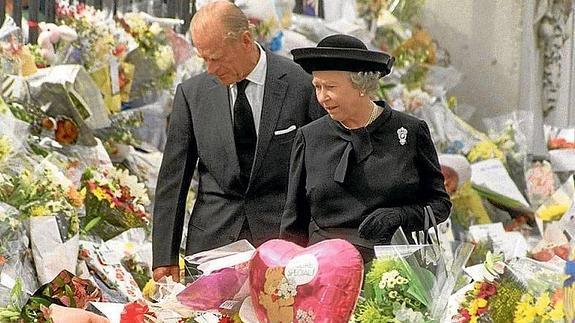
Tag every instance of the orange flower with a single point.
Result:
(75, 197)
(66, 131)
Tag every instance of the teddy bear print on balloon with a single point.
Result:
(278, 296)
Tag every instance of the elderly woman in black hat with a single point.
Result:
(363, 170)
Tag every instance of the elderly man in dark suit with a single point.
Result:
(236, 124)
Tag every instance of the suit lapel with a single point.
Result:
(274, 95)
(221, 119)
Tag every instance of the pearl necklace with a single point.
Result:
(372, 116)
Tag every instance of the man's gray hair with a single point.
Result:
(232, 18)
(367, 82)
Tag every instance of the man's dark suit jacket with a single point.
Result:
(201, 132)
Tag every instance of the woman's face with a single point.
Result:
(336, 94)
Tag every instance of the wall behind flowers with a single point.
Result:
(484, 42)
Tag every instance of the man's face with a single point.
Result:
(225, 58)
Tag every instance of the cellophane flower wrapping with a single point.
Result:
(106, 264)
(15, 258)
(224, 278)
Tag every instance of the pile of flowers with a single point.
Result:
(115, 202)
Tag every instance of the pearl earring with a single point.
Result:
(361, 94)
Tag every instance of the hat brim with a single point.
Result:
(342, 59)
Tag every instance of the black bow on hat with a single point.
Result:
(342, 53)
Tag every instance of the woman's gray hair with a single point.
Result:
(367, 82)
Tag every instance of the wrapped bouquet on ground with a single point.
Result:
(50, 204)
(115, 202)
(409, 283)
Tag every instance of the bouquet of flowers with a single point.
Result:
(15, 58)
(547, 307)
(541, 182)
(153, 59)
(65, 289)
(120, 132)
(95, 42)
(403, 99)
(50, 203)
(494, 295)
(43, 194)
(409, 283)
(393, 289)
(115, 202)
(476, 301)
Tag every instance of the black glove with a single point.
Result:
(380, 225)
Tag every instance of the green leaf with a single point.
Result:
(501, 199)
(70, 294)
(16, 291)
(92, 223)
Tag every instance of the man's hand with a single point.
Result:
(173, 271)
(61, 314)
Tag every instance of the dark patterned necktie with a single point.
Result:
(244, 132)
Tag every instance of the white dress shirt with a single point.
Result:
(254, 89)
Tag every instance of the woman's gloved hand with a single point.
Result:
(380, 225)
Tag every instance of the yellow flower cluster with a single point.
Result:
(40, 210)
(5, 148)
(484, 150)
(552, 212)
(541, 309)
(101, 195)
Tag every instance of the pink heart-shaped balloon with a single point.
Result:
(319, 284)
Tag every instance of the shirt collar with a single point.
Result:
(258, 74)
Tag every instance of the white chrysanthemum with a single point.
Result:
(388, 279)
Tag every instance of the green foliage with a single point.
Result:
(502, 305)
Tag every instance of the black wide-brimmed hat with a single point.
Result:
(342, 53)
